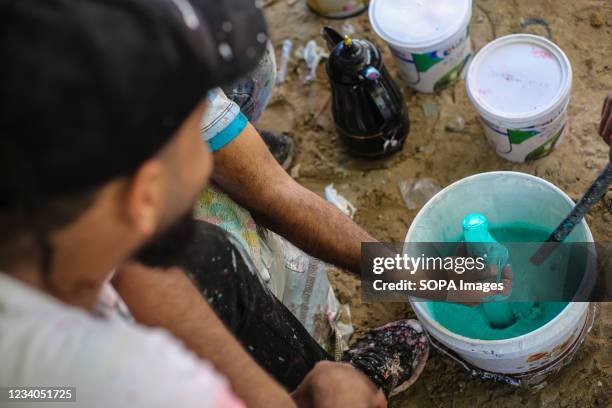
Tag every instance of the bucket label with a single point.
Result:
(521, 145)
(434, 71)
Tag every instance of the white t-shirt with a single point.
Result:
(111, 362)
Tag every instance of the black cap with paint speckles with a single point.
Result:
(90, 89)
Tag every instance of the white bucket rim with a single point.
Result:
(495, 115)
(420, 304)
(430, 44)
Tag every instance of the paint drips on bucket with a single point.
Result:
(472, 322)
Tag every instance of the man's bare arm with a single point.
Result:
(168, 299)
(246, 170)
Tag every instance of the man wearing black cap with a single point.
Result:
(101, 156)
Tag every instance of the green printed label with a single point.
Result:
(425, 61)
(545, 148)
(519, 136)
(452, 76)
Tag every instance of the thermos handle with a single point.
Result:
(381, 99)
(377, 92)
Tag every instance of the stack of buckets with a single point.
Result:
(520, 85)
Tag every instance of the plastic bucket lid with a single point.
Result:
(419, 25)
(518, 79)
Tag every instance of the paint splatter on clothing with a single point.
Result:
(391, 356)
(297, 279)
(227, 278)
(253, 93)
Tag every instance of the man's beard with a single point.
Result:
(170, 247)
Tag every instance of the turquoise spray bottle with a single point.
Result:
(480, 243)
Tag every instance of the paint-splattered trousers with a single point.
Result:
(253, 92)
(264, 326)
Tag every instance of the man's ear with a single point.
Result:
(144, 197)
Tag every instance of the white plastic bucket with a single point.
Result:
(429, 39)
(504, 198)
(520, 85)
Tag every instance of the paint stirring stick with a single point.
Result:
(595, 192)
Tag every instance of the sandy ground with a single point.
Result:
(583, 29)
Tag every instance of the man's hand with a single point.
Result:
(338, 385)
(605, 127)
(488, 276)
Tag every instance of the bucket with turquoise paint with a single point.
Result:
(430, 40)
(520, 85)
(505, 198)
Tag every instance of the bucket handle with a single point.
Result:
(538, 21)
(475, 372)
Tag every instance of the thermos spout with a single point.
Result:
(331, 37)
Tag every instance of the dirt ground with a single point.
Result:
(583, 29)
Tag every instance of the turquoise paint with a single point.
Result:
(472, 322)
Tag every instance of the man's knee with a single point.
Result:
(252, 92)
(212, 256)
